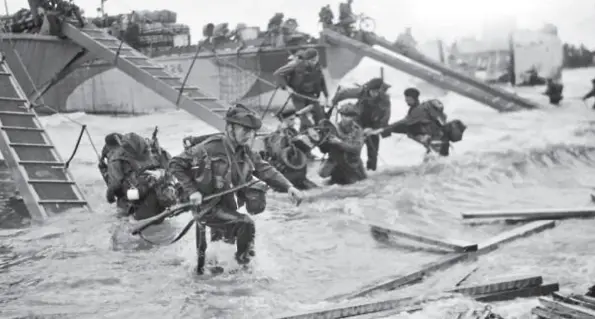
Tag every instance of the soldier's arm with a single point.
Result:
(353, 142)
(385, 106)
(181, 167)
(402, 126)
(348, 93)
(324, 88)
(268, 174)
(283, 73)
(590, 94)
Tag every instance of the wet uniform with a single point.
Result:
(344, 164)
(215, 165)
(305, 78)
(375, 113)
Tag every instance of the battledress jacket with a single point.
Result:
(420, 120)
(375, 112)
(216, 164)
(302, 78)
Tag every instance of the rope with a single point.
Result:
(198, 48)
(76, 147)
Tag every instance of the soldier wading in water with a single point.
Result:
(219, 162)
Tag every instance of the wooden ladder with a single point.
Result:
(37, 169)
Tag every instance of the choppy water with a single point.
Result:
(67, 267)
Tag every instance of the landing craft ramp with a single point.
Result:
(151, 75)
(439, 75)
(37, 170)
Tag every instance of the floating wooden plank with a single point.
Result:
(462, 279)
(487, 246)
(527, 292)
(522, 231)
(546, 313)
(535, 214)
(452, 244)
(510, 284)
(408, 304)
(387, 313)
(567, 309)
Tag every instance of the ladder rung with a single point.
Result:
(17, 99)
(62, 201)
(203, 98)
(92, 30)
(219, 110)
(122, 48)
(105, 39)
(5, 73)
(150, 67)
(168, 78)
(30, 145)
(49, 181)
(20, 128)
(17, 113)
(133, 57)
(60, 164)
(189, 88)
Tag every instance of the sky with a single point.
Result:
(429, 19)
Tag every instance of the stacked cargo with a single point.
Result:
(148, 29)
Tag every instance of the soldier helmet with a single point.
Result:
(309, 53)
(243, 116)
(411, 92)
(376, 84)
(256, 200)
(349, 109)
(113, 139)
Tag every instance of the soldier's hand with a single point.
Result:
(333, 140)
(195, 198)
(296, 195)
(110, 196)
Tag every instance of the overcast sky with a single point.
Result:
(429, 19)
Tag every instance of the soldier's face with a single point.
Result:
(243, 135)
(347, 118)
(411, 101)
(290, 121)
(374, 93)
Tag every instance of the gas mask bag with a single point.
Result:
(256, 200)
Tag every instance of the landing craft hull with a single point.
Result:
(102, 89)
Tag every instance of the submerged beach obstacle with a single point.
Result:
(533, 214)
(560, 306)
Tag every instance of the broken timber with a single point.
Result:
(487, 246)
(535, 214)
(567, 307)
(452, 244)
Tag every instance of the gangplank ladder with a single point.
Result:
(443, 81)
(149, 74)
(460, 76)
(44, 183)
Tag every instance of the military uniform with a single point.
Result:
(424, 123)
(127, 169)
(375, 112)
(305, 78)
(344, 164)
(217, 164)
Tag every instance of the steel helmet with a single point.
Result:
(243, 116)
(349, 109)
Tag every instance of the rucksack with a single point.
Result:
(454, 130)
(190, 141)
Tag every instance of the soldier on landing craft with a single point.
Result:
(220, 162)
(591, 93)
(346, 17)
(344, 164)
(426, 123)
(304, 76)
(374, 104)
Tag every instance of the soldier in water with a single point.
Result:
(304, 76)
(221, 162)
(374, 104)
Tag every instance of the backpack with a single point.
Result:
(454, 130)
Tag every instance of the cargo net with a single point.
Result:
(238, 76)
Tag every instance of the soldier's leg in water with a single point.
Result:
(372, 147)
(235, 226)
(201, 248)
